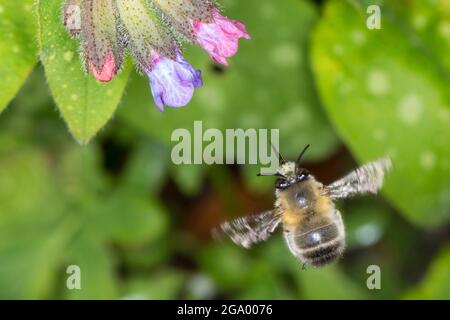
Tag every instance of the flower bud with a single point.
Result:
(145, 32)
(72, 17)
(100, 39)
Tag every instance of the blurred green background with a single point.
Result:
(139, 226)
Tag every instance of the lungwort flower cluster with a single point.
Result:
(151, 29)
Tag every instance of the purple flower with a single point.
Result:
(172, 82)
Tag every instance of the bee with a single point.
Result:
(312, 225)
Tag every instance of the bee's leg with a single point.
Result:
(304, 266)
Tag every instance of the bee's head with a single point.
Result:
(290, 172)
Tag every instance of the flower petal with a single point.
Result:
(108, 70)
(173, 82)
(220, 39)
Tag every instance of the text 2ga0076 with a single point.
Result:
(234, 309)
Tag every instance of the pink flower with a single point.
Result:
(220, 38)
(108, 70)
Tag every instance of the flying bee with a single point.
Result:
(312, 225)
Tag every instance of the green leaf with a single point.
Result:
(383, 104)
(428, 22)
(79, 173)
(436, 283)
(145, 220)
(17, 46)
(85, 104)
(268, 83)
(147, 168)
(23, 170)
(30, 263)
(32, 235)
(58, 208)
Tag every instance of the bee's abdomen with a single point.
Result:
(323, 254)
(319, 241)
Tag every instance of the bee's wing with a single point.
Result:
(248, 230)
(366, 179)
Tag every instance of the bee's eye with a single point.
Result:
(281, 184)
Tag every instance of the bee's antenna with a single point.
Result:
(280, 157)
(302, 153)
